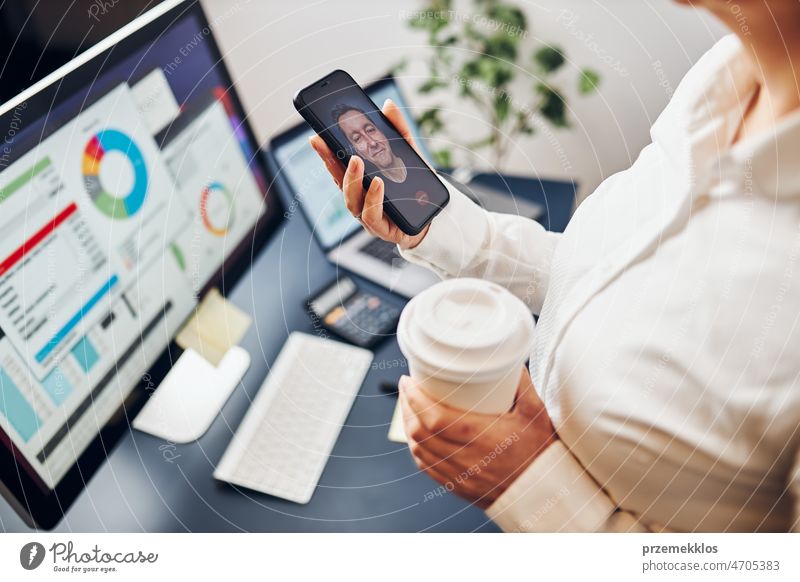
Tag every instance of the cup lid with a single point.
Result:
(466, 329)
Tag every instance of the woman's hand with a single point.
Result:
(477, 456)
(367, 207)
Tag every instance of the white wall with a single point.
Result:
(641, 47)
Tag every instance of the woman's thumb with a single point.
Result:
(393, 114)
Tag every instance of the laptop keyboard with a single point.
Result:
(381, 250)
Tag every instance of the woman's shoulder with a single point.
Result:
(717, 58)
(715, 61)
(721, 60)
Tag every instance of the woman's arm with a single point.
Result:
(556, 494)
(463, 240)
(512, 465)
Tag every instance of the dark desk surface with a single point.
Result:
(369, 484)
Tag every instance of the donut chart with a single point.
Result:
(216, 208)
(114, 205)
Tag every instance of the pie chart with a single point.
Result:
(115, 205)
(216, 208)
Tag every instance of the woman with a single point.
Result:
(665, 369)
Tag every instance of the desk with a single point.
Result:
(369, 484)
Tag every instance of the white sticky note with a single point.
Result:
(155, 100)
(188, 400)
(396, 432)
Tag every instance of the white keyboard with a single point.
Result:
(288, 433)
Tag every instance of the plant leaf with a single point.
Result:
(512, 17)
(553, 106)
(501, 46)
(495, 73)
(443, 158)
(433, 18)
(430, 121)
(549, 58)
(431, 85)
(588, 82)
(449, 40)
(482, 143)
(502, 105)
(523, 118)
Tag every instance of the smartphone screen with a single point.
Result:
(351, 124)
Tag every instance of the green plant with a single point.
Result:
(482, 53)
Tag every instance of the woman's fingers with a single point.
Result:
(331, 163)
(427, 459)
(352, 186)
(434, 419)
(372, 211)
(393, 113)
(366, 206)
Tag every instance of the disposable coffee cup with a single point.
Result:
(466, 341)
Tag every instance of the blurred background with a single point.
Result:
(550, 88)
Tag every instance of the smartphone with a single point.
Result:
(340, 112)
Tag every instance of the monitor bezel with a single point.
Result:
(38, 505)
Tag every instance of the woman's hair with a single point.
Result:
(341, 109)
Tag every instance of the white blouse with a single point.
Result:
(667, 345)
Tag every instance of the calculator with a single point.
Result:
(355, 316)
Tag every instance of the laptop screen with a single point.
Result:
(312, 186)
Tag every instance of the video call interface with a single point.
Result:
(109, 228)
(321, 199)
(362, 130)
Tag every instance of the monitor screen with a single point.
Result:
(123, 192)
(320, 199)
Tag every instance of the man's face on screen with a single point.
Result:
(369, 142)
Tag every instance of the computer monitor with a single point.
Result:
(320, 200)
(130, 182)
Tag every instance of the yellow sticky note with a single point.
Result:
(216, 326)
